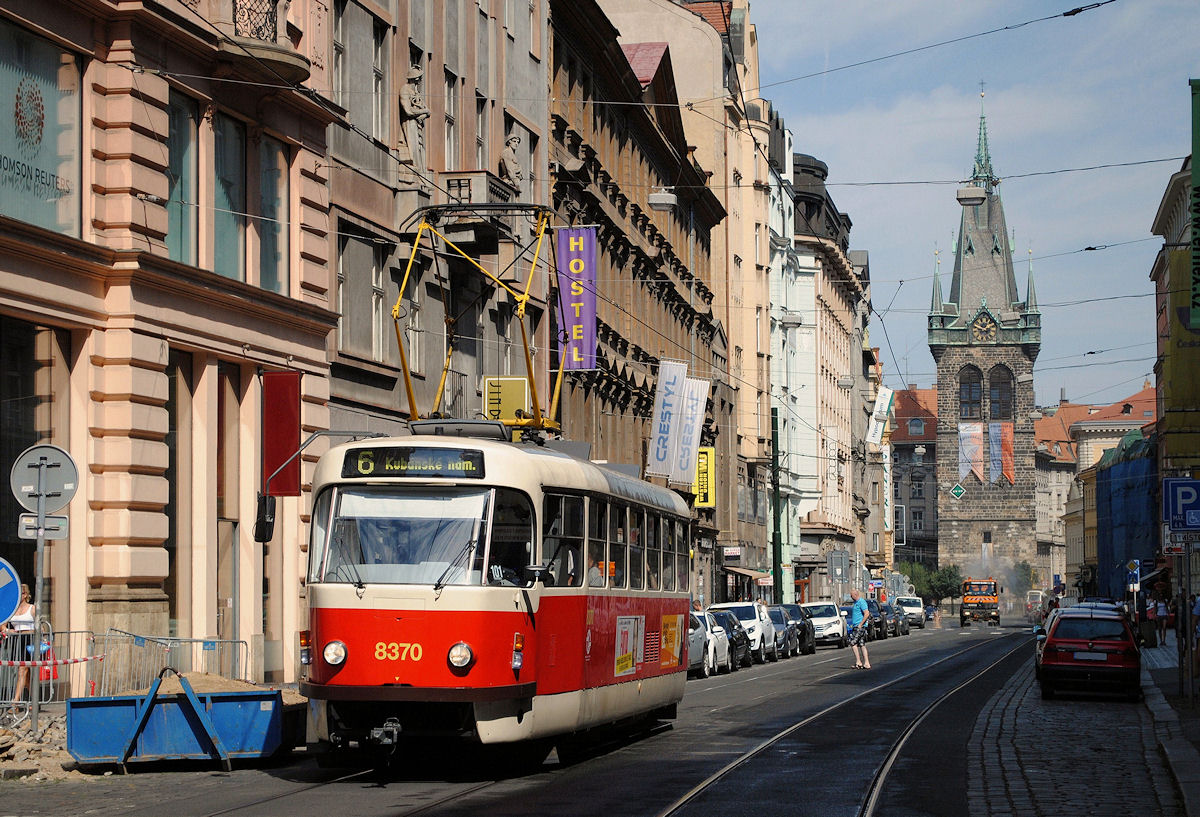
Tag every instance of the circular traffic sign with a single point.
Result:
(10, 590)
(44, 470)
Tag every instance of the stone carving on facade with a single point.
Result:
(413, 113)
(510, 166)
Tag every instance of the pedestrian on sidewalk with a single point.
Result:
(860, 620)
(1161, 613)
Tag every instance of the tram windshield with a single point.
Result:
(421, 536)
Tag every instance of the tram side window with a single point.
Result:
(637, 544)
(662, 554)
(319, 535)
(597, 527)
(617, 525)
(511, 548)
(682, 557)
(562, 539)
(653, 553)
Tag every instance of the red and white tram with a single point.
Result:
(488, 590)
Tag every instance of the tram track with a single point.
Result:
(878, 779)
(434, 799)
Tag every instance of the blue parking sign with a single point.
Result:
(10, 590)
(1181, 503)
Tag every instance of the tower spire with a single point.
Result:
(1030, 295)
(982, 174)
(935, 306)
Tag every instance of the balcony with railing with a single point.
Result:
(483, 197)
(258, 38)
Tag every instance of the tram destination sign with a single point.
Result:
(413, 461)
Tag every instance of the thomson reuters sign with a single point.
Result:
(40, 141)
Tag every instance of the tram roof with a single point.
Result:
(553, 469)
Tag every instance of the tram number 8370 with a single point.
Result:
(393, 651)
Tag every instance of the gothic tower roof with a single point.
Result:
(983, 267)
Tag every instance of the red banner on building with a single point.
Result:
(281, 432)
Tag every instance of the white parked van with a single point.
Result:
(913, 609)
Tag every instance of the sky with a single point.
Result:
(1106, 86)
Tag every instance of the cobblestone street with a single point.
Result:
(1065, 756)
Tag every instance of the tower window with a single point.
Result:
(1000, 395)
(970, 394)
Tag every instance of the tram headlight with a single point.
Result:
(334, 653)
(460, 655)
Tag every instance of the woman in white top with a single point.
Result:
(21, 627)
(1161, 612)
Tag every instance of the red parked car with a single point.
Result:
(1088, 650)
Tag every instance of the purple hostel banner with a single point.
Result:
(576, 271)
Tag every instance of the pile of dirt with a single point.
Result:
(40, 756)
(204, 683)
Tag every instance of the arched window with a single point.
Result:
(1000, 393)
(970, 394)
(916, 427)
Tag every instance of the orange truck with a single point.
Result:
(980, 602)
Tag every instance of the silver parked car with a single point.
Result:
(699, 655)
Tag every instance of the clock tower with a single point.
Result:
(984, 340)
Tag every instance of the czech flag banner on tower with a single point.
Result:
(576, 276)
(663, 451)
(970, 450)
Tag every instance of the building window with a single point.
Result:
(378, 274)
(338, 78)
(451, 160)
(970, 394)
(1000, 394)
(177, 586)
(413, 330)
(362, 278)
(918, 488)
(182, 213)
(273, 221)
(229, 216)
(917, 519)
(379, 98)
(481, 133)
(916, 427)
(874, 491)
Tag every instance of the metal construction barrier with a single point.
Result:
(131, 662)
(58, 666)
(230, 659)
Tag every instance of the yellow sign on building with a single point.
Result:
(503, 396)
(705, 488)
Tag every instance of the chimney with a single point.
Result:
(1062, 394)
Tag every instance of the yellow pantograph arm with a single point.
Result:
(408, 386)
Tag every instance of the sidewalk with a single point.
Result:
(1176, 724)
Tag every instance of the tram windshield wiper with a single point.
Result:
(469, 547)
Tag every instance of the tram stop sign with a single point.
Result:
(10, 590)
(44, 470)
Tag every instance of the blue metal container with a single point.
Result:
(185, 726)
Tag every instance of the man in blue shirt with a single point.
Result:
(860, 619)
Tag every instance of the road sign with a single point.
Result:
(1174, 549)
(1181, 503)
(55, 527)
(10, 590)
(957, 491)
(46, 470)
(1182, 537)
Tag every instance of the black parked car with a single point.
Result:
(894, 619)
(899, 619)
(739, 640)
(878, 622)
(804, 625)
(787, 639)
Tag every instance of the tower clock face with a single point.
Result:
(983, 329)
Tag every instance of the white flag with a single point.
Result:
(691, 420)
(663, 450)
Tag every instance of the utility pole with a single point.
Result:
(776, 537)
